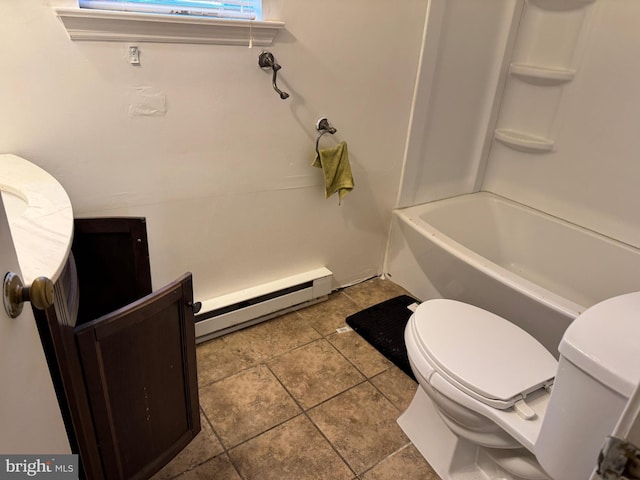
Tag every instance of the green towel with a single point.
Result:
(337, 171)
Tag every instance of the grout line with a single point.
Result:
(261, 361)
(407, 445)
(225, 450)
(234, 465)
(204, 414)
(305, 412)
(333, 447)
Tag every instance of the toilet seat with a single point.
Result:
(500, 363)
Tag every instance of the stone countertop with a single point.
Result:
(40, 217)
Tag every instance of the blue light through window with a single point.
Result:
(235, 9)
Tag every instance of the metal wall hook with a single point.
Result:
(267, 60)
(323, 126)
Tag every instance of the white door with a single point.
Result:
(30, 419)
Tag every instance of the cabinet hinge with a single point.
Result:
(619, 460)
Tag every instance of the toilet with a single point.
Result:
(493, 404)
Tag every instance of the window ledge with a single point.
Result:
(102, 25)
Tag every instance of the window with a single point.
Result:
(234, 9)
(216, 22)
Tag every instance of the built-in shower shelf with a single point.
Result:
(523, 142)
(539, 75)
(561, 5)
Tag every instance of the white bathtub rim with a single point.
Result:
(542, 295)
(531, 210)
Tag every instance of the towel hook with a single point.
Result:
(267, 60)
(323, 126)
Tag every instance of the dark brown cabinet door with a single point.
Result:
(139, 368)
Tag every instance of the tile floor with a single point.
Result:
(291, 398)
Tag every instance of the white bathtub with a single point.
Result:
(534, 269)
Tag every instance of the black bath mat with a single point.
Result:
(383, 327)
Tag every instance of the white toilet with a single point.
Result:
(493, 403)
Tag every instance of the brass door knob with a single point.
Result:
(40, 294)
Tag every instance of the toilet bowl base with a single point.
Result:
(451, 457)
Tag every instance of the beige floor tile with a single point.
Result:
(201, 449)
(361, 424)
(397, 386)
(406, 464)
(278, 335)
(219, 468)
(236, 351)
(359, 352)
(223, 356)
(294, 450)
(246, 404)
(315, 372)
(374, 291)
(327, 316)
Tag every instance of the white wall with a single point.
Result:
(592, 176)
(224, 178)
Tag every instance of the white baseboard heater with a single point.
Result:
(224, 314)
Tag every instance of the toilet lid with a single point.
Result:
(488, 356)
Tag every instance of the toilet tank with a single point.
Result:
(598, 370)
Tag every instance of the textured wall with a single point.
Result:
(223, 175)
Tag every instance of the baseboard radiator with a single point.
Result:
(227, 313)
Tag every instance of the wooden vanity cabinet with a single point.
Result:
(126, 382)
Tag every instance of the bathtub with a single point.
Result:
(533, 269)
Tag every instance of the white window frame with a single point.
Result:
(234, 9)
(85, 24)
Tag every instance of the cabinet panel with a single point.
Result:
(140, 371)
(112, 258)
